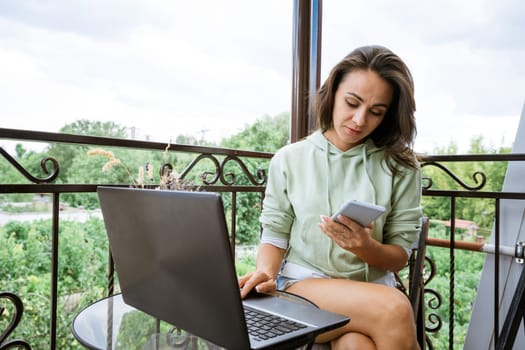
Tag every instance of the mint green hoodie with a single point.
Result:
(312, 177)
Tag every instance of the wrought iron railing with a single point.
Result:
(433, 298)
(218, 178)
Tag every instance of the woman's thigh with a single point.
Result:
(370, 306)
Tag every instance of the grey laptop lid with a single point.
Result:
(173, 260)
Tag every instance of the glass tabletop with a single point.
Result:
(110, 324)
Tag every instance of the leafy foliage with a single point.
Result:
(245, 265)
(66, 155)
(25, 268)
(265, 135)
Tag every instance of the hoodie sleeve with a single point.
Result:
(277, 213)
(404, 221)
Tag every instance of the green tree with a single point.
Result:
(25, 268)
(192, 140)
(95, 169)
(267, 134)
(20, 150)
(65, 153)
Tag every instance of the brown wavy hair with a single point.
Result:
(397, 131)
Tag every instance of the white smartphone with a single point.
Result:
(361, 212)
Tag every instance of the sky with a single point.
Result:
(208, 68)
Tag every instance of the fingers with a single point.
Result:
(258, 280)
(343, 224)
(242, 280)
(265, 287)
(247, 283)
(342, 220)
(346, 233)
(333, 228)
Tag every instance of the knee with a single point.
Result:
(398, 308)
(353, 341)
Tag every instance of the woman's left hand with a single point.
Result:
(347, 234)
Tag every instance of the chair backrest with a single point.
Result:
(417, 265)
(416, 291)
(416, 281)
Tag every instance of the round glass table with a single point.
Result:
(110, 324)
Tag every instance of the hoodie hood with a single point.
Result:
(353, 160)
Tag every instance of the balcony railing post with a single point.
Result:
(306, 65)
(54, 271)
(452, 269)
(496, 270)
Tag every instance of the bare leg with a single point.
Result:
(353, 341)
(381, 313)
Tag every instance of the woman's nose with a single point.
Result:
(359, 117)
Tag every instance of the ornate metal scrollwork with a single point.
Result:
(261, 173)
(52, 174)
(479, 178)
(434, 303)
(219, 173)
(433, 300)
(17, 316)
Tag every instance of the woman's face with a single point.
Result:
(360, 104)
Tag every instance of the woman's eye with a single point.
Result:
(351, 104)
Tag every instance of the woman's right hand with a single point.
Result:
(258, 280)
(262, 280)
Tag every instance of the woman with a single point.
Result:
(362, 150)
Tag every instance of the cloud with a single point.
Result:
(467, 59)
(171, 71)
(92, 18)
(171, 67)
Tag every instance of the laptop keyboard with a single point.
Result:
(263, 326)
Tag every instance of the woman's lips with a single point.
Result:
(353, 132)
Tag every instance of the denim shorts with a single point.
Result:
(284, 283)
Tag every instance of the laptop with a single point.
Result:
(174, 261)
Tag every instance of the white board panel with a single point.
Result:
(480, 334)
